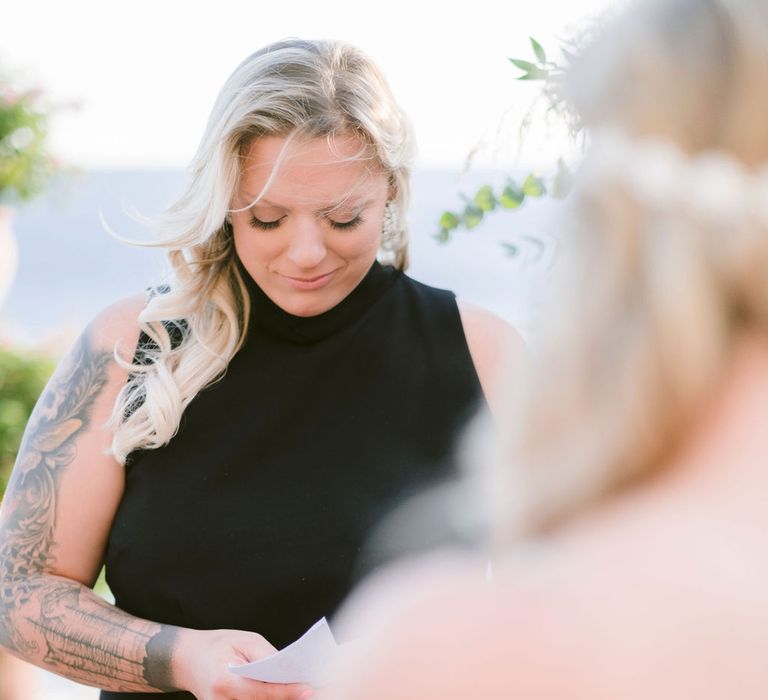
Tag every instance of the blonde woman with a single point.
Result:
(631, 556)
(286, 388)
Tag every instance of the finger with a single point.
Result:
(278, 691)
(299, 691)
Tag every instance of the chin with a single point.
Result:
(307, 307)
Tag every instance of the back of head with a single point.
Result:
(694, 72)
(664, 260)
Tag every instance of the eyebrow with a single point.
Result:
(324, 211)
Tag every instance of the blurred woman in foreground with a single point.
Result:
(632, 527)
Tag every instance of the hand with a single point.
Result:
(201, 662)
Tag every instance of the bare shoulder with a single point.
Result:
(62, 528)
(118, 323)
(618, 615)
(497, 348)
(451, 635)
(92, 355)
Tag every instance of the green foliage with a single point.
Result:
(534, 186)
(540, 69)
(472, 216)
(22, 378)
(449, 221)
(538, 50)
(26, 166)
(513, 249)
(485, 199)
(513, 194)
(532, 71)
(552, 76)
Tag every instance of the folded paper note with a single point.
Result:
(308, 660)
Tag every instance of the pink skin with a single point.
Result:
(307, 263)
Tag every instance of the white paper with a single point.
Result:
(307, 660)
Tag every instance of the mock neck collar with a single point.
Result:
(304, 330)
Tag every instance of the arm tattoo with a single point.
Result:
(75, 632)
(62, 412)
(89, 639)
(157, 663)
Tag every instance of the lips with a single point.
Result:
(314, 282)
(309, 279)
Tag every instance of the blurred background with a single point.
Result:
(102, 106)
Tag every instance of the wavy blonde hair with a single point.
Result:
(293, 88)
(655, 283)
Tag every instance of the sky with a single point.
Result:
(135, 81)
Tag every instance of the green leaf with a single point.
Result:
(526, 66)
(538, 50)
(443, 236)
(512, 196)
(537, 74)
(473, 215)
(485, 198)
(449, 221)
(534, 186)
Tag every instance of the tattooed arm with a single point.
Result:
(54, 525)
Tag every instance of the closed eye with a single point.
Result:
(342, 225)
(265, 225)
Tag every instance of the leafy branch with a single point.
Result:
(509, 197)
(513, 194)
(541, 69)
(552, 75)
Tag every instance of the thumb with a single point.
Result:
(252, 647)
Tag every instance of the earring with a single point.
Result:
(389, 228)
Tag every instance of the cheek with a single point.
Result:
(363, 243)
(252, 247)
(366, 239)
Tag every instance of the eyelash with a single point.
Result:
(264, 225)
(346, 225)
(339, 225)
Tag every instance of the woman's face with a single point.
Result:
(316, 230)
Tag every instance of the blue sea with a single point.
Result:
(70, 267)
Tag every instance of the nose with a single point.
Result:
(306, 248)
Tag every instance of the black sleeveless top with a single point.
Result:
(252, 517)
